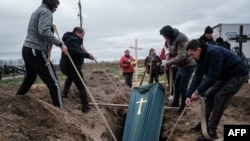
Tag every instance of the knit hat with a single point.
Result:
(167, 31)
(51, 3)
(208, 30)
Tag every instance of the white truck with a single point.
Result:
(227, 31)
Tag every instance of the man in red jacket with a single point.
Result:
(127, 64)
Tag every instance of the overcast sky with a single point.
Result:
(112, 26)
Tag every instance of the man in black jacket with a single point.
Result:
(207, 37)
(74, 40)
(225, 74)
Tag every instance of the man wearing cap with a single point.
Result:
(207, 37)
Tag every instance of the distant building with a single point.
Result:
(228, 30)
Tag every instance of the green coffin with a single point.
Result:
(145, 113)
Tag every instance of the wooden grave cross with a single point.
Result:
(136, 59)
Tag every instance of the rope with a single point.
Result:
(112, 81)
(90, 94)
(176, 123)
(204, 122)
(92, 98)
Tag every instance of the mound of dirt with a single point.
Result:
(33, 118)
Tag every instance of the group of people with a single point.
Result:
(152, 66)
(202, 67)
(216, 71)
(36, 53)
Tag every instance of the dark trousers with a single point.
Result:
(153, 77)
(73, 76)
(219, 97)
(35, 61)
(128, 78)
(67, 85)
(181, 82)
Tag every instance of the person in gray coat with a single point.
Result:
(36, 49)
(177, 42)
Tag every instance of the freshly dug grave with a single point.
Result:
(33, 118)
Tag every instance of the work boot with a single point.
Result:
(212, 134)
(201, 138)
(85, 109)
(196, 127)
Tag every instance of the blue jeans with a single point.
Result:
(181, 82)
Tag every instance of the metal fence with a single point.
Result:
(8, 72)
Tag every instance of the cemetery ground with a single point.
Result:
(33, 118)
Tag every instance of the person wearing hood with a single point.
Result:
(225, 74)
(74, 42)
(207, 37)
(220, 42)
(127, 64)
(177, 42)
(36, 50)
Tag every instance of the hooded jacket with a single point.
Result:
(73, 42)
(51, 3)
(216, 63)
(178, 42)
(39, 34)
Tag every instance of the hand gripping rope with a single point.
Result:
(203, 122)
(112, 82)
(91, 96)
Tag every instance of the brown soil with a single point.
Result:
(33, 118)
